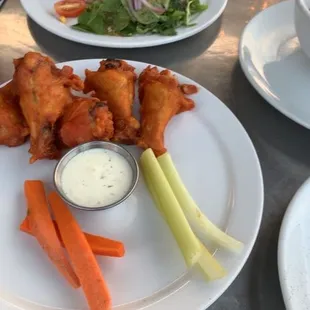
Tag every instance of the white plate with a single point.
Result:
(273, 62)
(42, 12)
(294, 251)
(218, 164)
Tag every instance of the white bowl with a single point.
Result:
(302, 24)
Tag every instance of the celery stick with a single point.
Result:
(207, 263)
(151, 190)
(198, 221)
(210, 267)
(187, 241)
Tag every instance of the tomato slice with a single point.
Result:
(70, 8)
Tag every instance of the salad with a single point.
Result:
(130, 17)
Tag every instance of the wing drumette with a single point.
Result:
(44, 92)
(161, 98)
(114, 82)
(85, 120)
(13, 127)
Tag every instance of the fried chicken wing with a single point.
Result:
(114, 82)
(44, 92)
(189, 89)
(13, 127)
(161, 98)
(85, 120)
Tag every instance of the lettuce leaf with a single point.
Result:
(117, 17)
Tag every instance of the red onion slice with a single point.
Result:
(137, 4)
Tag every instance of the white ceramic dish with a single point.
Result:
(302, 24)
(218, 164)
(42, 12)
(273, 62)
(294, 251)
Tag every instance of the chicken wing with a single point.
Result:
(85, 120)
(13, 127)
(161, 98)
(44, 92)
(114, 82)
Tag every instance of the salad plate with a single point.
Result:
(220, 168)
(274, 63)
(43, 13)
(294, 269)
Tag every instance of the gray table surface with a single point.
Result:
(211, 59)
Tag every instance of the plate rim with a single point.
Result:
(166, 40)
(260, 192)
(286, 6)
(292, 208)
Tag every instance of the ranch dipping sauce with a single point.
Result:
(96, 177)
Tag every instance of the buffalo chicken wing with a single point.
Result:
(13, 127)
(44, 92)
(85, 120)
(161, 98)
(114, 82)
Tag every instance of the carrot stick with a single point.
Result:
(41, 225)
(105, 247)
(82, 258)
(99, 245)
